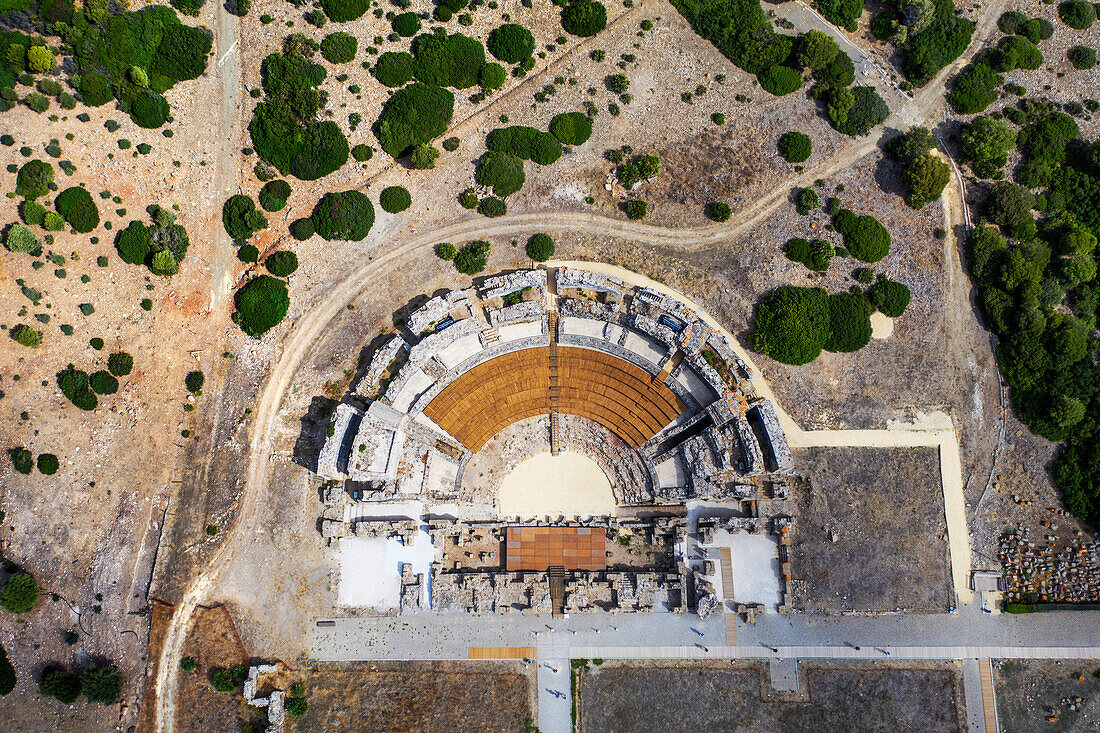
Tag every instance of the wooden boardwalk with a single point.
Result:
(502, 652)
(726, 561)
(989, 700)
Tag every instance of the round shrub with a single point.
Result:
(339, 47)
(78, 208)
(261, 304)
(1017, 52)
(472, 258)
(103, 382)
(241, 218)
(73, 383)
(120, 364)
(780, 80)
(636, 209)
(362, 153)
(448, 60)
(719, 211)
(584, 18)
(1077, 14)
(492, 76)
(419, 113)
(451, 144)
(149, 110)
(344, 11)
(442, 13)
(1011, 22)
(274, 194)
(849, 322)
(57, 683)
(1082, 57)
(792, 324)
(34, 179)
(406, 24)
(540, 247)
(102, 683)
(345, 215)
(21, 239)
(21, 460)
(890, 297)
(194, 381)
(468, 198)
(20, 594)
(282, 263)
(96, 89)
(795, 147)
(492, 207)
(446, 251)
(296, 707)
(302, 229)
(26, 336)
(511, 43)
(395, 68)
(248, 253)
(855, 111)
(571, 128)
(526, 143)
(394, 199)
(865, 238)
(48, 464)
(502, 171)
(423, 157)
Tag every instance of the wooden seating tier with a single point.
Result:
(515, 386)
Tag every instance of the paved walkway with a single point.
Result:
(972, 697)
(555, 714)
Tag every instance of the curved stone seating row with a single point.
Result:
(514, 386)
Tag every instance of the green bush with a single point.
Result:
(261, 304)
(248, 253)
(344, 11)
(188, 7)
(780, 80)
(719, 211)
(21, 460)
(445, 60)
(21, 239)
(194, 381)
(343, 215)
(502, 171)
(33, 213)
(20, 594)
(1077, 14)
(571, 128)
(843, 13)
(302, 229)
(133, 243)
(792, 324)
(816, 50)
(1082, 57)
(468, 198)
(95, 89)
(806, 201)
(795, 147)
(865, 238)
(26, 336)
(636, 209)
(815, 255)
(526, 143)
(584, 18)
(419, 113)
(362, 152)
(149, 110)
(78, 208)
(840, 73)
(74, 385)
(102, 683)
(339, 47)
(241, 218)
(1016, 52)
(120, 364)
(282, 263)
(939, 45)
(406, 24)
(492, 207)
(986, 143)
(472, 258)
(890, 297)
(102, 382)
(975, 88)
(395, 68)
(740, 30)
(492, 76)
(296, 707)
(540, 247)
(423, 157)
(7, 673)
(856, 111)
(849, 322)
(57, 683)
(34, 179)
(1009, 206)
(394, 199)
(926, 178)
(284, 128)
(273, 195)
(511, 43)
(446, 251)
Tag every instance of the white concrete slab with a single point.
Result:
(459, 351)
(370, 570)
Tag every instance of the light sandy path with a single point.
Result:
(569, 483)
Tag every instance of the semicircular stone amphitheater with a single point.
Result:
(631, 361)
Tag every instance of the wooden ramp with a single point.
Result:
(557, 590)
(725, 559)
(502, 652)
(989, 700)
